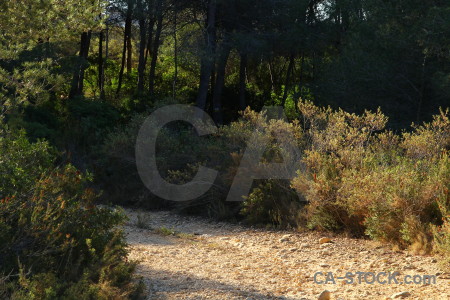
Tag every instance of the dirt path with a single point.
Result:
(208, 260)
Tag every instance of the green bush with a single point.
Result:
(442, 191)
(55, 243)
(179, 153)
(355, 175)
(368, 181)
(273, 203)
(88, 121)
(22, 163)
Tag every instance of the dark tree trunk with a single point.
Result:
(175, 50)
(101, 66)
(242, 81)
(126, 38)
(421, 91)
(220, 81)
(207, 60)
(85, 65)
(142, 47)
(78, 77)
(300, 82)
(129, 53)
(272, 79)
(107, 43)
(151, 24)
(287, 83)
(155, 49)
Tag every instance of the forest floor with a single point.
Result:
(194, 258)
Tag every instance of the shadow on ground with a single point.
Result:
(162, 284)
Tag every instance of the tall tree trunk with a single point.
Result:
(175, 50)
(107, 43)
(422, 90)
(126, 37)
(85, 65)
(242, 79)
(101, 66)
(272, 79)
(300, 82)
(129, 53)
(151, 24)
(81, 62)
(78, 77)
(220, 81)
(142, 47)
(287, 83)
(207, 60)
(155, 49)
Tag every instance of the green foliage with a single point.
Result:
(115, 164)
(273, 203)
(22, 163)
(357, 177)
(178, 154)
(55, 243)
(373, 182)
(89, 120)
(165, 231)
(395, 57)
(442, 233)
(31, 63)
(143, 221)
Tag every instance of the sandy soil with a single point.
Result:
(210, 260)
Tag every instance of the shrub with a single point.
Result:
(355, 175)
(273, 203)
(368, 181)
(430, 139)
(88, 121)
(179, 153)
(441, 232)
(22, 163)
(336, 143)
(55, 243)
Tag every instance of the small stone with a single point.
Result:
(400, 295)
(293, 249)
(324, 240)
(324, 265)
(304, 245)
(325, 295)
(420, 270)
(285, 238)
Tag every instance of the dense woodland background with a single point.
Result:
(78, 77)
(225, 55)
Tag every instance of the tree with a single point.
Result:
(207, 59)
(159, 12)
(78, 76)
(29, 51)
(141, 11)
(126, 43)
